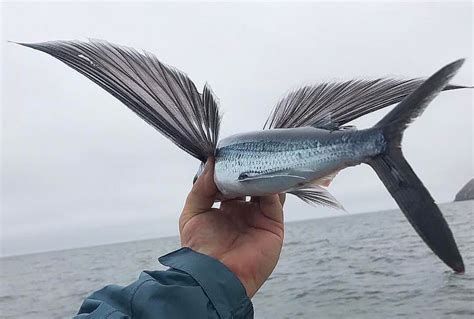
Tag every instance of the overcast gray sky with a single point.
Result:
(79, 168)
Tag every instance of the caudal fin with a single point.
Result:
(401, 181)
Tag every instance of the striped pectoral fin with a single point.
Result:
(316, 195)
(160, 94)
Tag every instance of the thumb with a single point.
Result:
(202, 195)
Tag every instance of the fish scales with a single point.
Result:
(266, 162)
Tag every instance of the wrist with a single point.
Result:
(220, 285)
(239, 270)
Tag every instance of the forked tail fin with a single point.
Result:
(401, 181)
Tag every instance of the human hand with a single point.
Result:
(247, 237)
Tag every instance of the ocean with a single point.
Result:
(370, 265)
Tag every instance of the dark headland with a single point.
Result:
(466, 193)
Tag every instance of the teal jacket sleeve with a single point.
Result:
(195, 286)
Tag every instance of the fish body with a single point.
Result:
(277, 161)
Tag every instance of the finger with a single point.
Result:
(230, 202)
(255, 199)
(204, 191)
(202, 195)
(282, 198)
(272, 207)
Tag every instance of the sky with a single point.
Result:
(78, 168)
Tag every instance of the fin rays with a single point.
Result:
(316, 195)
(160, 94)
(330, 105)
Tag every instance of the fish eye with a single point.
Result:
(243, 176)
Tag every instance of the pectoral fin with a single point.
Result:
(326, 180)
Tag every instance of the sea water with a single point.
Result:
(356, 266)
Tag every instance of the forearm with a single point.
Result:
(195, 286)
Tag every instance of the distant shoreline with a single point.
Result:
(176, 236)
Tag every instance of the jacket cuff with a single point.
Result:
(223, 288)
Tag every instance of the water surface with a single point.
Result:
(355, 266)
